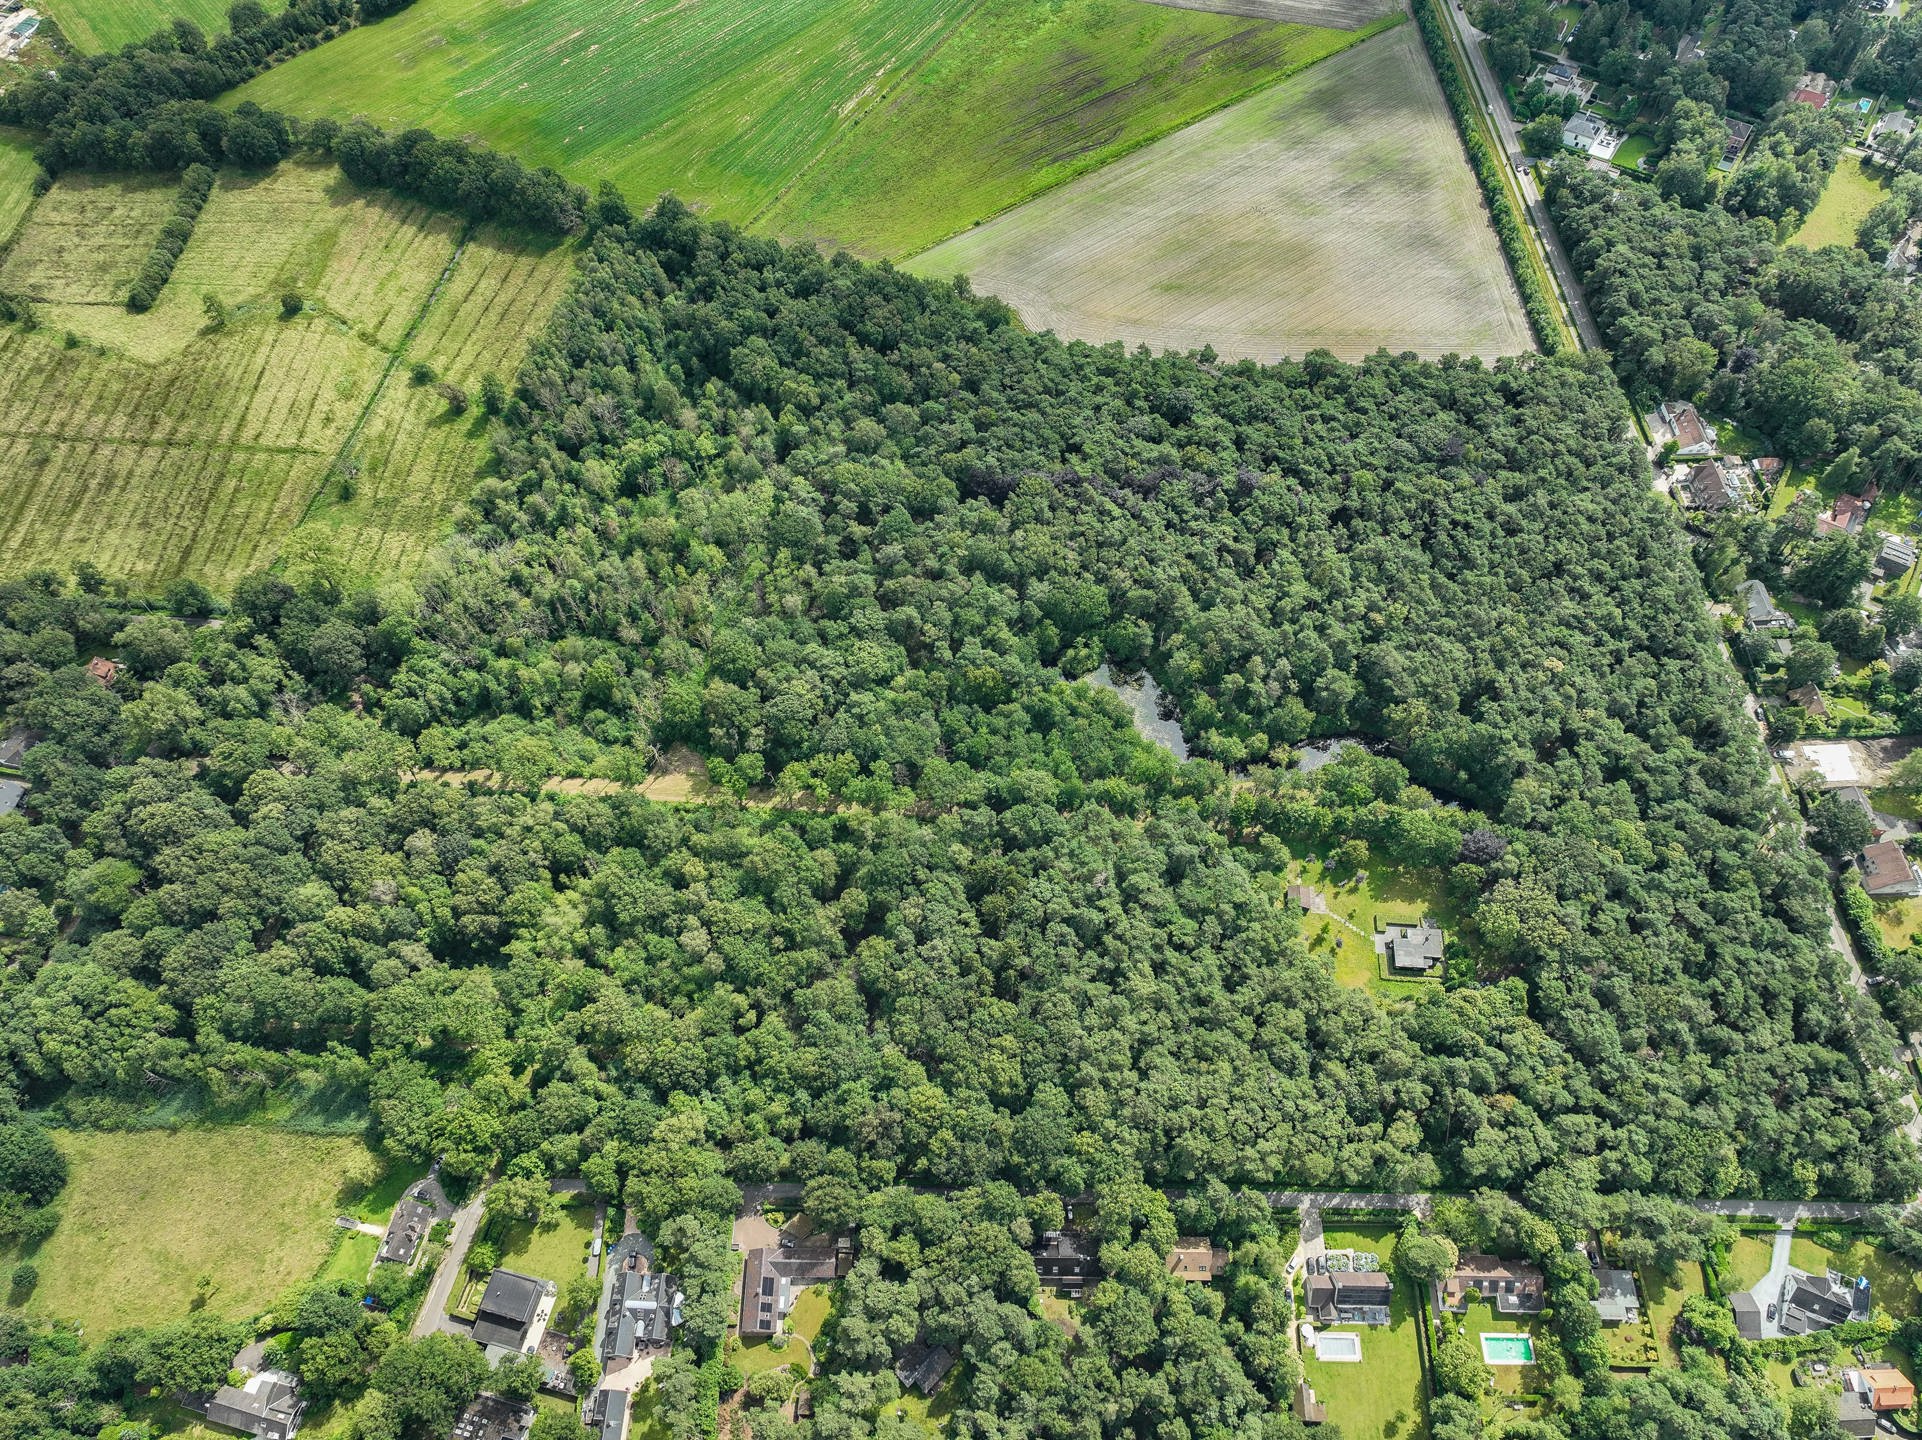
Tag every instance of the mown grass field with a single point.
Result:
(719, 100)
(882, 127)
(160, 445)
(17, 169)
(1332, 210)
(1853, 190)
(147, 1212)
(93, 25)
(1028, 94)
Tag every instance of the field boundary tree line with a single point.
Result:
(195, 186)
(1510, 228)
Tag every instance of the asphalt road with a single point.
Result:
(1509, 138)
(433, 1308)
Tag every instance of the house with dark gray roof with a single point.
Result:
(1066, 1260)
(1413, 949)
(411, 1221)
(643, 1307)
(494, 1417)
(1758, 609)
(513, 1311)
(1350, 1297)
(1617, 1301)
(267, 1405)
(1748, 1315)
(613, 1415)
(1820, 1302)
(1897, 555)
(775, 1276)
(922, 1367)
(12, 792)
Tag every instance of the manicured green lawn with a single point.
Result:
(352, 1258)
(1629, 155)
(556, 1251)
(644, 1420)
(1508, 1380)
(1383, 1394)
(146, 1213)
(929, 1412)
(1853, 190)
(1748, 1261)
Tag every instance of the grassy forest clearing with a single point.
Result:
(1270, 229)
(17, 169)
(207, 442)
(729, 104)
(1023, 97)
(147, 1213)
(94, 25)
(1852, 192)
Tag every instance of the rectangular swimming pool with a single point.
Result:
(1338, 1346)
(1508, 1349)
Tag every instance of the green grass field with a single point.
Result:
(147, 1212)
(17, 169)
(1382, 1395)
(1853, 190)
(353, 1257)
(159, 445)
(1027, 94)
(895, 124)
(555, 1251)
(1748, 1261)
(1359, 906)
(93, 25)
(1632, 151)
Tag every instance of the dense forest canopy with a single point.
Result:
(847, 533)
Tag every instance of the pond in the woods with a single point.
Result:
(1143, 698)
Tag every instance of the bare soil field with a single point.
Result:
(1335, 14)
(1331, 211)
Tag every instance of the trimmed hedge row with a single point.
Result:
(1540, 306)
(195, 186)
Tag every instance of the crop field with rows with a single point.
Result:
(168, 443)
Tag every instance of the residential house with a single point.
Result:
(1563, 79)
(512, 1315)
(1854, 1415)
(1195, 1258)
(612, 1413)
(1818, 1302)
(1350, 1297)
(1758, 611)
(1896, 557)
(1589, 133)
(494, 1417)
(1680, 423)
(1066, 1261)
(1887, 1387)
(12, 792)
(1809, 697)
(1413, 949)
(1710, 488)
(411, 1221)
(1814, 88)
(1308, 1409)
(776, 1276)
(922, 1367)
(1740, 132)
(1688, 49)
(1848, 514)
(103, 670)
(1748, 1315)
(14, 747)
(1905, 256)
(1511, 1287)
(1888, 873)
(1891, 132)
(643, 1308)
(267, 1405)
(1617, 1301)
